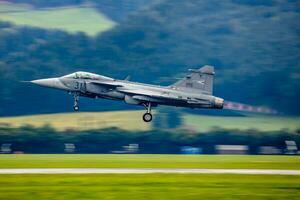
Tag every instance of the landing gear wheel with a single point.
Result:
(147, 117)
(76, 108)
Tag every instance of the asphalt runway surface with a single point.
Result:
(145, 171)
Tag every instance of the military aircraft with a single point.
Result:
(193, 91)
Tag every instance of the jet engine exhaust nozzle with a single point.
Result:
(218, 103)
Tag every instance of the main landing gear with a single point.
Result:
(76, 98)
(147, 117)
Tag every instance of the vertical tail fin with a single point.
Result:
(199, 79)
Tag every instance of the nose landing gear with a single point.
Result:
(76, 98)
(147, 117)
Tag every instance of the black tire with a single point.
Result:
(147, 117)
(76, 108)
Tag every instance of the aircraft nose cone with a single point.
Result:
(49, 82)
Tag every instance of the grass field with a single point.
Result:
(148, 161)
(71, 19)
(148, 186)
(258, 122)
(154, 186)
(127, 120)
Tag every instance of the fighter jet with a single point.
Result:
(192, 91)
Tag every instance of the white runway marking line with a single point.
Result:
(145, 171)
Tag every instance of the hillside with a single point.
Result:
(131, 121)
(116, 10)
(70, 19)
(124, 120)
(259, 122)
(254, 46)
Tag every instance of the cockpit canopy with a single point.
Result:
(85, 75)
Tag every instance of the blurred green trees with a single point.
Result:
(47, 140)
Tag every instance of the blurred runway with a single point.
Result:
(145, 171)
